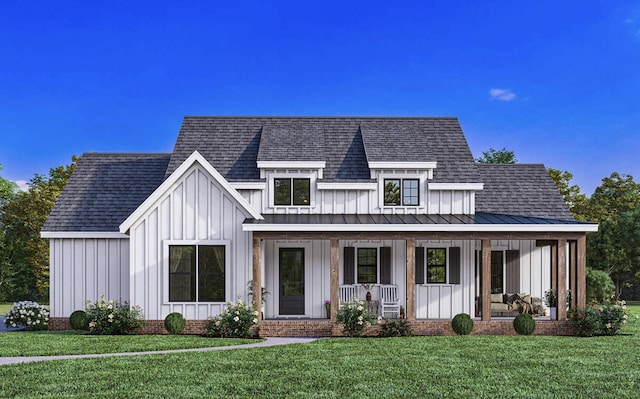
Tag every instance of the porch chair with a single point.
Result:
(347, 294)
(389, 300)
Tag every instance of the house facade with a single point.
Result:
(302, 206)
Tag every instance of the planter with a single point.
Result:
(554, 312)
(327, 308)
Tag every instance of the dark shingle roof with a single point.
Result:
(233, 145)
(104, 190)
(520, 189)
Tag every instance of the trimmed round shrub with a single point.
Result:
(524, 324)
(462, 324)
(79, 320)
(174, 323)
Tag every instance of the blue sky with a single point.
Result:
(556, 82)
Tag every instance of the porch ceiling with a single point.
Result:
(480, 223)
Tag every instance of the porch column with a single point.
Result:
(334, 271)
(581, 278)
(486, 280)
(257, 276)
(573, 279)
(411, 279)
(562, 280)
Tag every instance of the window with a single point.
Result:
(436, 265)
(290, 191)
(403, 192)
(367, 267)
(197, 273)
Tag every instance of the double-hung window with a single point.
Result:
(436, 265)
(367, 265)
(401, 192)
(292, 191)
(197, 273)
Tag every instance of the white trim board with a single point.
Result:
(82, 234)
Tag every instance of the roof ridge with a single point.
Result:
(320, 117)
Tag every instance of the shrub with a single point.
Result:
(174, 323)
(27, 314)
(113, 318)
(524, 324)
(600, 287)
(396, 328)
(598, 319)
(462, 324)
(234, 322)
(354, 318)
(78, 320)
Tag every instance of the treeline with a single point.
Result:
(24, 256)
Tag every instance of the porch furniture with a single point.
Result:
(389, 300)
(512, 303)
(347, 294)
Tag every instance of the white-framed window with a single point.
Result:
(196, 271)
(401, 191)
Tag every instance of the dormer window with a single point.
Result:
(401, 192)
(291, 191)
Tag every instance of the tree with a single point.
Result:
(614, 205)
(575, 200)
(26, 255)
(7, 190)
(497, 156)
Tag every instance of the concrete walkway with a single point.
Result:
(267, 342)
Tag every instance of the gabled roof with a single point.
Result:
(104, 189)
(520, 189)
(161, 190)
(233, 145)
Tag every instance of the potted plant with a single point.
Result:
(402, 312)
(551, 300)
(327, 308)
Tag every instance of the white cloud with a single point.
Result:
(22, 185)
(502, 94)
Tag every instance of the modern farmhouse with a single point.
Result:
(308, 210)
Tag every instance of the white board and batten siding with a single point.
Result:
(195, 209)
(84, 269)
(443, 301)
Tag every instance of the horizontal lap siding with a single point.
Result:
(85, 269)
(195, 208)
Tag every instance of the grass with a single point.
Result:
(4, 308)
(426, 367)
(49, 343)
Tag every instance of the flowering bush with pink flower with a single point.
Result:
(27, 314)
(234, 322)
(606, 319)
(109, 317)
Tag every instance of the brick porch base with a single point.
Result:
(324, 328)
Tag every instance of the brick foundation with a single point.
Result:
(324, 328)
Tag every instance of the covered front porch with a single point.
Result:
(559, 255)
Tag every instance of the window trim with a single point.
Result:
(401, 179)
(292, 177)
(165, 269)
(356, 265)
(446, 266)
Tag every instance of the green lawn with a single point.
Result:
(4, 308)
(423, 367)
(48, 343)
